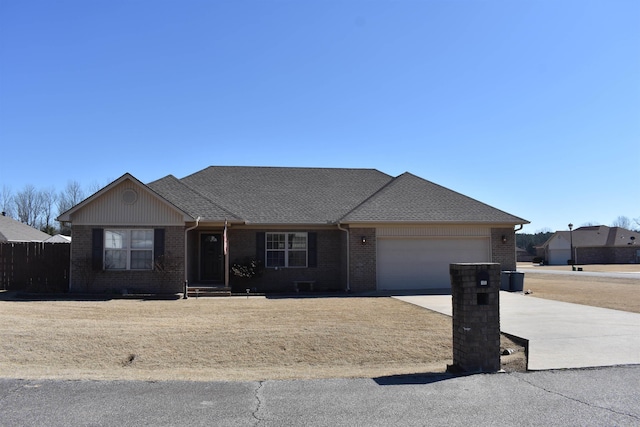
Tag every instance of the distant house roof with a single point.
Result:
(58, 238)
(280, 195)
(599, 235)
(15, 231)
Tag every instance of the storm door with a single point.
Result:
(211, 259)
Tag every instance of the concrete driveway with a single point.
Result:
(561, 335)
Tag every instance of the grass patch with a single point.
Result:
(221, 339)
(608, 292)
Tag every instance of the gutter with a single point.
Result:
(348, 257)
(186, 270)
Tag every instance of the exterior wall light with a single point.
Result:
(363, 240)
(504, 239)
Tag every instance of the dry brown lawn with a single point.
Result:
(254, 338)
(608, 292)
(221, 339)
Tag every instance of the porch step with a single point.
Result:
(208, 291)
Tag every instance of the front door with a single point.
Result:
(211, 259)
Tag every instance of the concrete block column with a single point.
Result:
(475, 290)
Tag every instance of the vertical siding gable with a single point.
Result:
(128, 204)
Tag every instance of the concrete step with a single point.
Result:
(208, 291)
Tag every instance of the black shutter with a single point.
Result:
(260, 247)
(158, 245)
(312, 251)
(97, 246)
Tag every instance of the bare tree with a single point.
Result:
(6, 201)
(68, 198)
(28, 203)
(622, 221)
(49, 198)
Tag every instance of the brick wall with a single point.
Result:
(607, 255)
(85, 279)
(503, 253)
(363, 259)
(328, 275)
(476, 317)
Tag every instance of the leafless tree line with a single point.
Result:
(40, 208)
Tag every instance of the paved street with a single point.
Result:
(602, 396)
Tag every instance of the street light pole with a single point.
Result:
(571, 239)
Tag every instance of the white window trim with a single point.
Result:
(128, 249)
(286, 249)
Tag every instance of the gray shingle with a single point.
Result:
(15, 231)
(275, 195)
(189, 200)
(409, 198)
(278, 195)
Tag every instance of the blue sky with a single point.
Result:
(530, 106)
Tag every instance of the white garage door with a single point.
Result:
(559, 256)
(424, 263)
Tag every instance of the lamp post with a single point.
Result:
(571, 243)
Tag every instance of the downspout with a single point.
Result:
(186, 265)
(515, 248)
(348, 258)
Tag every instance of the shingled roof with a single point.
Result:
(279, 195)
(598, 235)
(409, 198)
(189, 200)
(15, 231)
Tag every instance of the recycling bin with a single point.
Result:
(516, 282)
(505, 280)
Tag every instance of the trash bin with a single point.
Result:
(516, 284)
(505, 280)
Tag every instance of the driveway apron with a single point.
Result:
(561, 335)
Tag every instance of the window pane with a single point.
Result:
(141, 260)
(115, 259)
(275, 241)
(142, 239)
(297, 258)
(115, 239)
(275, 258)
(298, 241)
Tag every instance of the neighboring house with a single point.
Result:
(333, 229)
(13, 231)
(523, 256)
(592, 245)
(58, 238)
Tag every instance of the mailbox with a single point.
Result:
(475, 295)
(483, 278)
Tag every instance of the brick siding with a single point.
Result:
(503, 253)
(363, 259)
(608, 255)
(85, 279)
(328, 274)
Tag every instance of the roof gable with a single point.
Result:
(125, 201)
(409, 198)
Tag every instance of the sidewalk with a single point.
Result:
(561, 335)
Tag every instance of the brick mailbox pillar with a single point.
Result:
(475, 290)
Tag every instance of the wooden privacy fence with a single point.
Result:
(35, 266)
